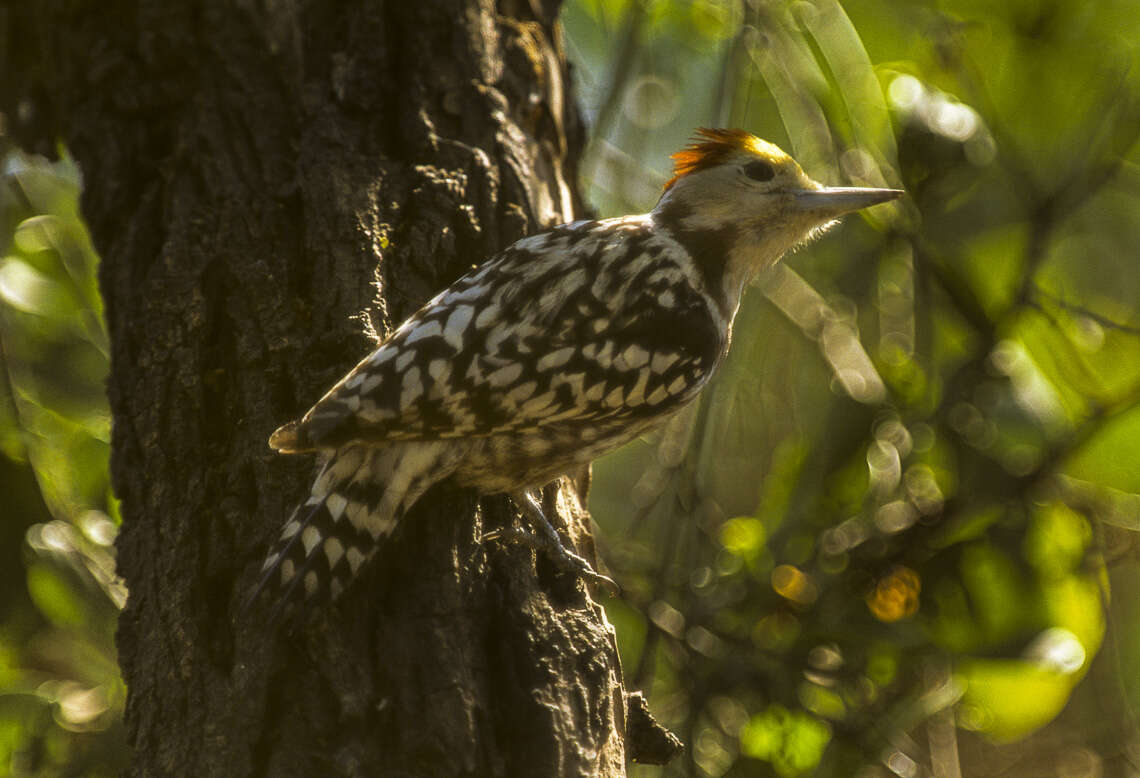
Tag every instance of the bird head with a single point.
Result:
(745, 196)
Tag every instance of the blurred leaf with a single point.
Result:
(1112, 457)
(792, 742)
(871, 145)
(1057, 540)
(1074, 604)
(993, 264)
(997, 693)
(743, 536)
(54, 597)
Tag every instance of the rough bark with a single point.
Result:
(256, 175)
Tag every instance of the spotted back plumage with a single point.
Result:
(533, 339)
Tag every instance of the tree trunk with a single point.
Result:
(256, 176)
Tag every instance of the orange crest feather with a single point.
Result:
(709, 147)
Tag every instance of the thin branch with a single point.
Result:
(1039, 296)
(956, 290)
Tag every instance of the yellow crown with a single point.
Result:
(711, 147)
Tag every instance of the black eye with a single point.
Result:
(759, 171)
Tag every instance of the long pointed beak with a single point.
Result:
(835, 200)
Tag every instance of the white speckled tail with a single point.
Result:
(357, 499)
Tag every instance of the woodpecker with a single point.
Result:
(562, 347)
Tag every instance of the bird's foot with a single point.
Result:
(545, 539)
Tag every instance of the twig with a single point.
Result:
(1080, 310)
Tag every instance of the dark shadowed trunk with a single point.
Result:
(257, 175)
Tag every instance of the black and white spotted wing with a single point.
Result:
(521, 344)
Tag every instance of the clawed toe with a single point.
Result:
(545, 539)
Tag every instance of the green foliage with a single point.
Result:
(907, 497)
(792, 742)
(60, 694)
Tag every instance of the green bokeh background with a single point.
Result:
(898, 536)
